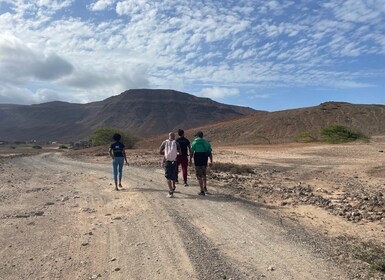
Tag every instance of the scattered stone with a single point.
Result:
(270, 268)
(65, 199)
(38, 213)
(85, 243)
(88, 210)
(113, 259)
(117, 218)
(117, 269)
(22, 215)
(49, 203)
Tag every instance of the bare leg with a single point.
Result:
(201, 182)
(170, 185)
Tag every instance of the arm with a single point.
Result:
(124, 155)
(111, 154)
(178, 148)
(161, 148)
(210, 155)
(211, 159)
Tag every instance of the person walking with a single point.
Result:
(170, 149)
(118, 154)
(182, 159)
(201, 151)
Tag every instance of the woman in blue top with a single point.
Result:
(118, 155)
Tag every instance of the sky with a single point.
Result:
(265, 54)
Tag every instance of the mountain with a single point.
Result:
(282, 126)
(143, 112)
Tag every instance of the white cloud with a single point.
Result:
(101, 5)
(19, 63)
(217, 48)
(217, 92)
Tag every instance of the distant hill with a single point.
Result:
(143, 112)
(281, 126)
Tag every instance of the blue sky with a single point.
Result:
(268, 55)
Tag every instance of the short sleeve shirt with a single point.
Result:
(183, 143)
(117, 148)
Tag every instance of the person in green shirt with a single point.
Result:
(201, 151)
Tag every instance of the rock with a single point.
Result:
(39, 213)
(85, 243)
(65, 199)
(113, 259)
(270, 268)
(117, 269)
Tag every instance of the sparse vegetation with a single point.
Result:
(103, 136)
(336, 133)
(333, 134)
(63, 147)
(307, 136)
(37, 147)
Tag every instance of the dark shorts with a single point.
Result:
(170, 170)
(200, 171)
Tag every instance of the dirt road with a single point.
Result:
(61, 219)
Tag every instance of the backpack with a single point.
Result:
(170, 150)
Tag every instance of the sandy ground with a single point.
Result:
(61, 218)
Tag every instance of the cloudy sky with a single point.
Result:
(265, 54)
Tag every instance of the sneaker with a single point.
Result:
(170, 195)
(202, 193)
(185, 184)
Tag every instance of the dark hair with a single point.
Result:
(117, 137)
(199, 134)
(180, 132)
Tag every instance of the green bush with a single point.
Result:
(36, 147)
(336, 133)
(103, 136)
(63, 147)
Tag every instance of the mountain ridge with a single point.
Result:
(143, 112)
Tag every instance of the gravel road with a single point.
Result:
(61, 219)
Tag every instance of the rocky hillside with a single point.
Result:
(281, 126)
(143, 112)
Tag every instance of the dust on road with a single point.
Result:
(61, 219)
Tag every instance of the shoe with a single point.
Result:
(185, 184)
(202, 193)
(205, 189)
(170, 195)
(116, 189)
(120, 186)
